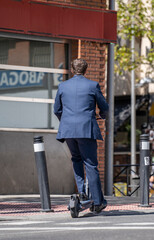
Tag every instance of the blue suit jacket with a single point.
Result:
(75, 106)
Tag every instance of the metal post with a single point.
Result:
(133, 109)
(110, 118)
(127, 171)
(144, 170)
(42, 173)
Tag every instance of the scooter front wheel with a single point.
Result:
(74, 206)
(74, 213)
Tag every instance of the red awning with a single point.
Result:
(58, 20)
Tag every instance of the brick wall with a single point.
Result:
(95, 54)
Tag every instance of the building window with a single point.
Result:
(30, 72)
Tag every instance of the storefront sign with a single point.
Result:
(16, 79)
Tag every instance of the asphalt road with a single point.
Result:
(120, 225)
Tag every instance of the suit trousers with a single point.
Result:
(84, 152)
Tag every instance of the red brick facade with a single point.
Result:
(94, 54)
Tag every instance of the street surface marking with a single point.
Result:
(80, 223)
(142, 223)
(24, 222)
(78, 228)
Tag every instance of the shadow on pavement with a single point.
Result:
(115, 213)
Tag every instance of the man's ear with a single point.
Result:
(85, 72)
(72, 70)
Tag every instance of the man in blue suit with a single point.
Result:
(75, 107)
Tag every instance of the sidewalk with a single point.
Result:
(20, 206)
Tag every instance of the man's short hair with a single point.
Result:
(79, 66)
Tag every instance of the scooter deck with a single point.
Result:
(85, 204)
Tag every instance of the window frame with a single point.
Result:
(34, 69)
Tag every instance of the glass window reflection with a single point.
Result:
(33, 53)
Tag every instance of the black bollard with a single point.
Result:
(144, 170)
(42, 174)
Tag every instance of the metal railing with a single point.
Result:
(128, 170)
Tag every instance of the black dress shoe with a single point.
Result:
(83, 197)
(98, 208)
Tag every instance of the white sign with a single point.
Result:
(146, 161)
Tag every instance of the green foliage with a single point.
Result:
(135, 12)
(134, 18)
(150, 57)
(123, 59)
(128, 129)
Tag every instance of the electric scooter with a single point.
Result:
(76, 206)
